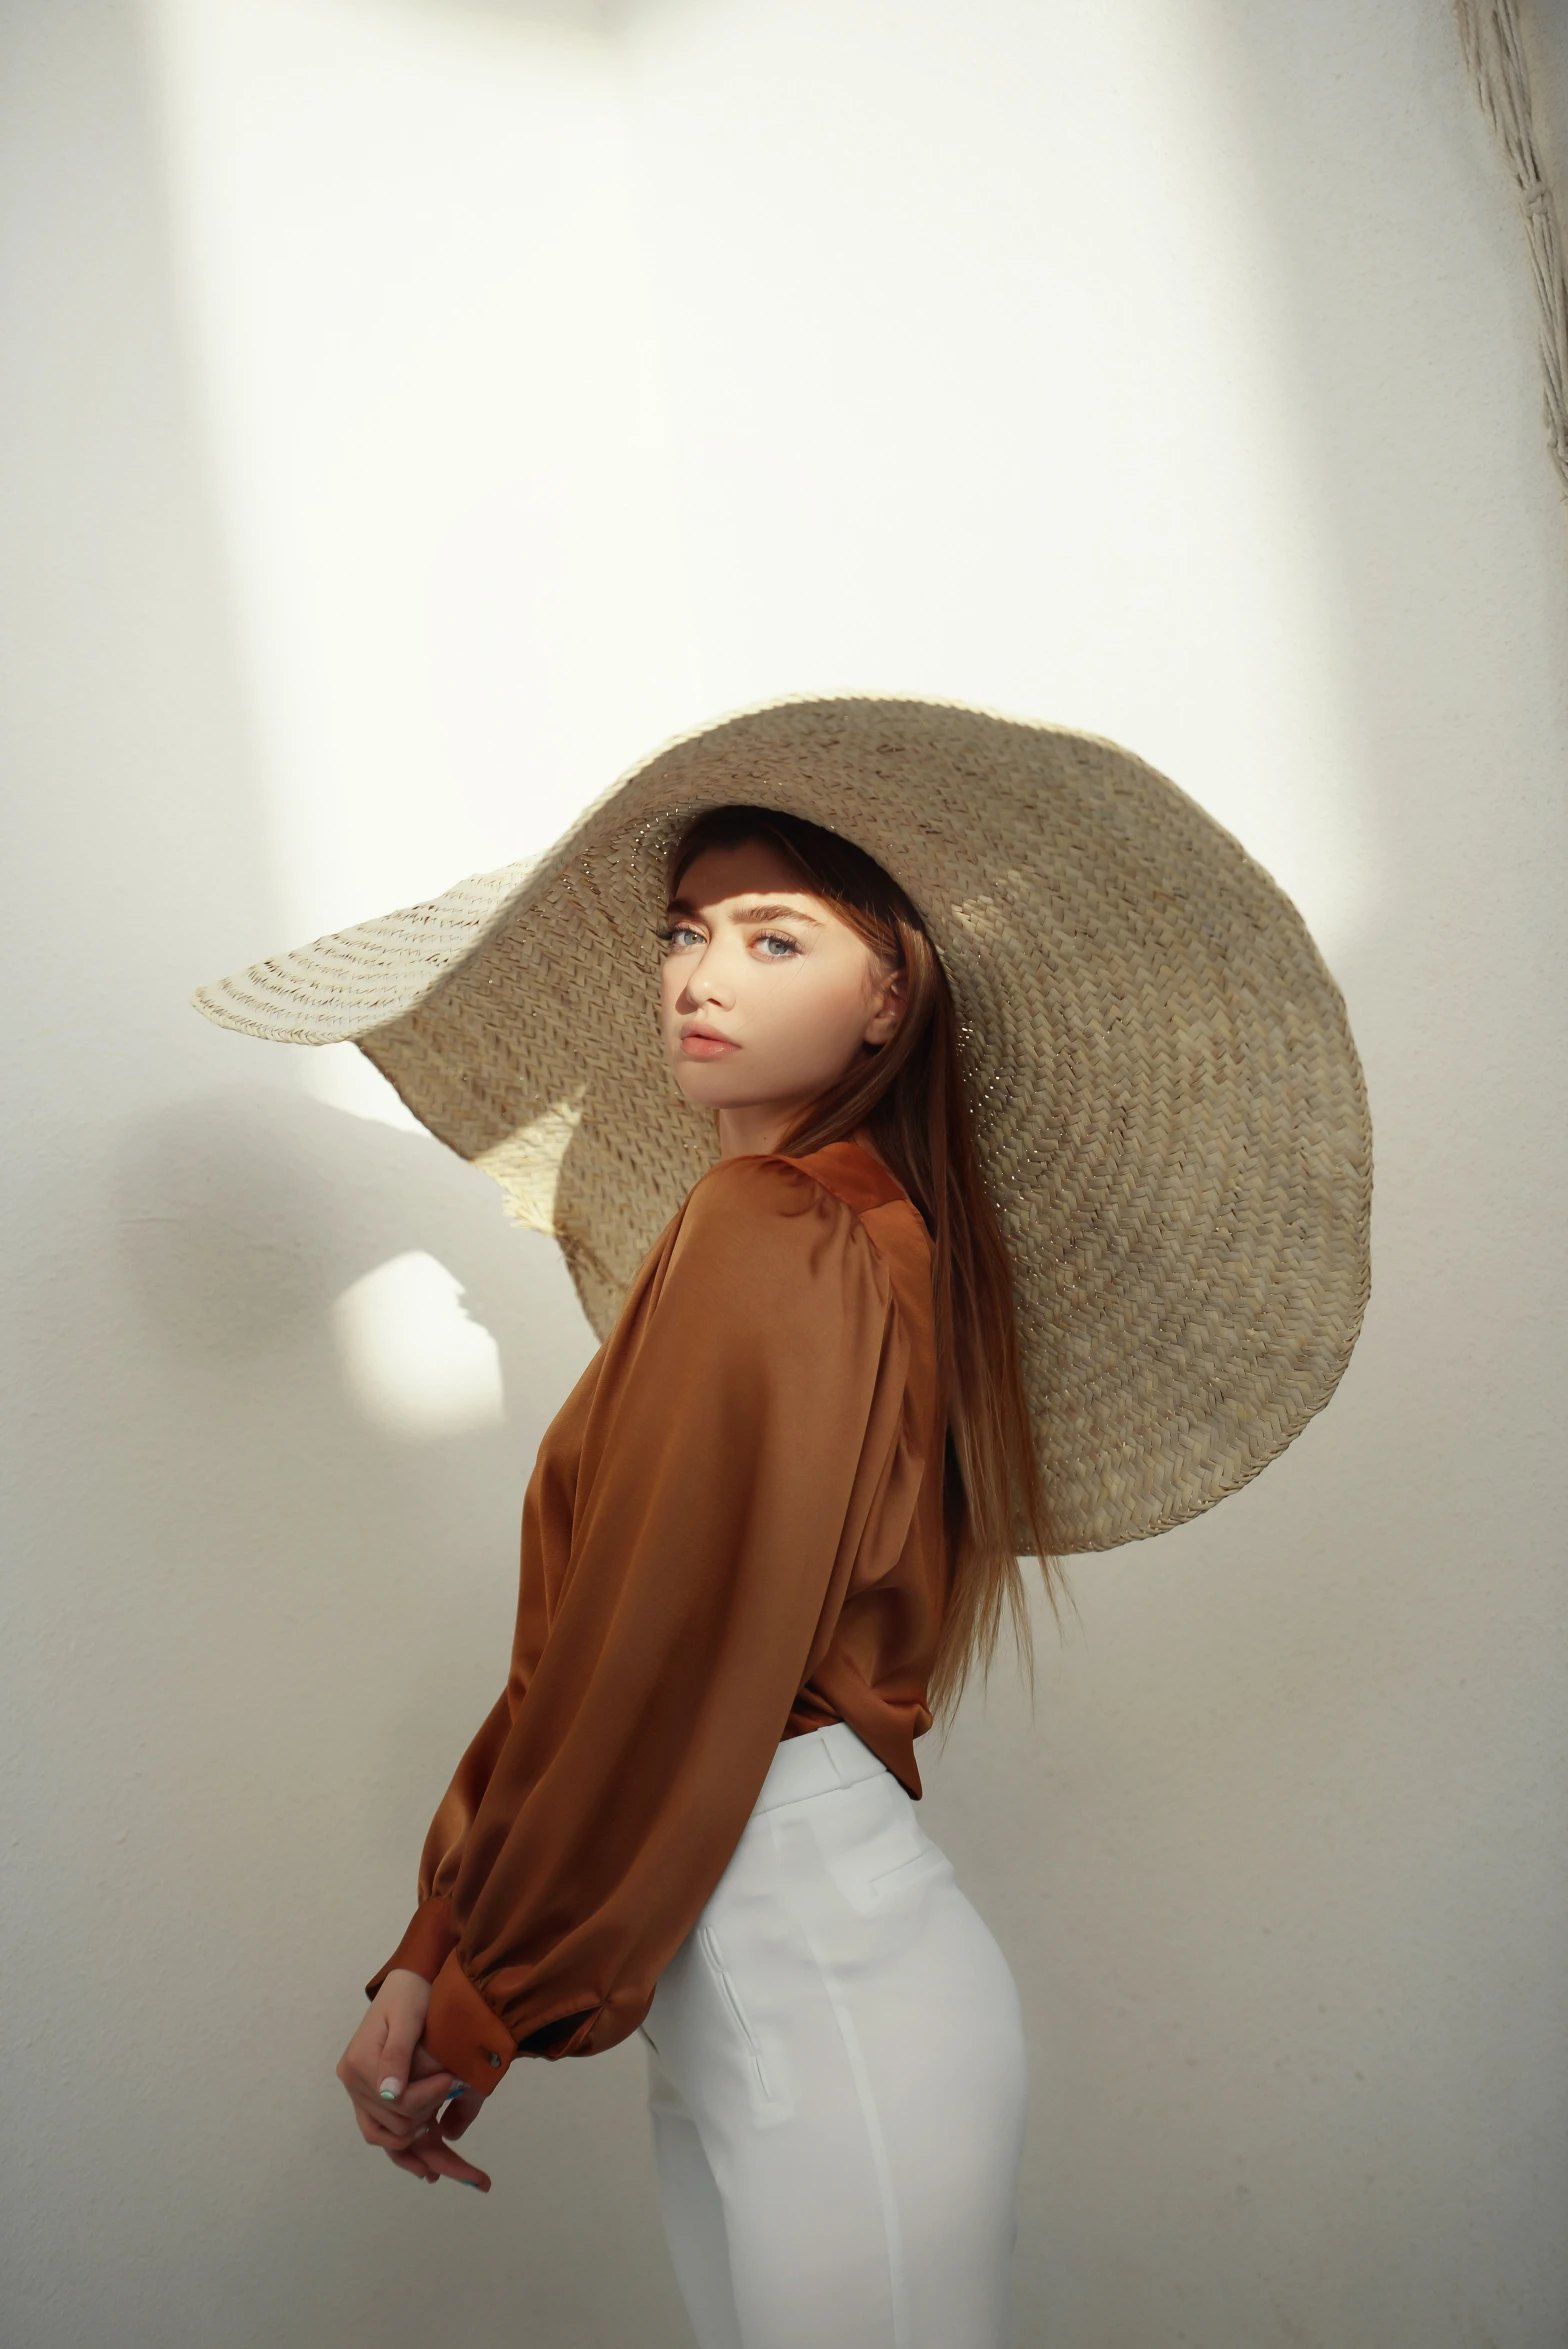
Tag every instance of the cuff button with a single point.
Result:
(493, 2060)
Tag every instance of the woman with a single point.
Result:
(777, 1520)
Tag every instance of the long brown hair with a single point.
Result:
(908, 1096)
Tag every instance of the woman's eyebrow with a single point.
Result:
(776, 913)
(748, 913)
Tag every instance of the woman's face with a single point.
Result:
(767, 994)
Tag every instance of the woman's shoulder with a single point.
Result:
(773, 1185)
(829, 1231)
(855, 1175)
(795, 1214)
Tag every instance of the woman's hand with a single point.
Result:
(396, 2086)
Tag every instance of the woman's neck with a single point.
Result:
(756, 1130)
(760, 1131)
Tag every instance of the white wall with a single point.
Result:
(413, 411)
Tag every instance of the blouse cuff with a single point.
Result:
(425, 1947)
(465, 2034)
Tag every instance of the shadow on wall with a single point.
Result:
(332, 1600)
(250, 1625)
(370, 1478)
(243, 1218)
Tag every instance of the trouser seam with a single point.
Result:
(892, 2231)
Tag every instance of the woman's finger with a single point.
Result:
(420, 2101)
(377, 2129)
(429, 2157)
(382, 2057)
(401, 2023)
(425, 2065)
(380, 2121)
(390, 2123)
(439, 2156)
(413, 2103)
(413, 2108)
(412, 2159)
(461, 2110)
(428, 2081)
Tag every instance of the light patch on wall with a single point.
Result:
(408, 252)
(415, 1363)
(984, 381)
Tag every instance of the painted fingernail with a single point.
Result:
(458, 2088)
(474, 2182)
(389, 2089)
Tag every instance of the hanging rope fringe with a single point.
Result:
(1494, 50)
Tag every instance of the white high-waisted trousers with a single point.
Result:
(837, 2079)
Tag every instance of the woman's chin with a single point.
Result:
(713, 1087)
(703, 1085)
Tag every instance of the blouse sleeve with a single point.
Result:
(743, 1430)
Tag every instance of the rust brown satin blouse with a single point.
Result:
(733, 1534)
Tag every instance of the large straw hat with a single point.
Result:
(1168, 1102)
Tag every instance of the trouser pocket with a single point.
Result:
(708, 1943)
(874, 1849)
(921, 1867)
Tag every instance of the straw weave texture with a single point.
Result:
(1168, 1101)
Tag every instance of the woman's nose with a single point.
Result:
(705, 982)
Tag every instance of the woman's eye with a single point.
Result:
(681, 934)
(772, 939)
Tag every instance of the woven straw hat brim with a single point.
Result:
(1167, 1098)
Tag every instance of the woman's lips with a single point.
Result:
(696, 1045)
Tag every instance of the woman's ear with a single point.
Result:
(889, 1004)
